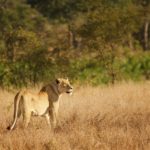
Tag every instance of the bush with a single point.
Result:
(136, 67)
(35, 68)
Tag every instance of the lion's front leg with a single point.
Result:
(53, 118)
(54, 113)
(47, 119)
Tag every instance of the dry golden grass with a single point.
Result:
(101, 118)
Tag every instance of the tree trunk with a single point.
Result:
(130, 41)
(146, 26)
(72, 42)
(112, 70)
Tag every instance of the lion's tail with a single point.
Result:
(16, 109)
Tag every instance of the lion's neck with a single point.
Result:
(55, 89)
(52, 91)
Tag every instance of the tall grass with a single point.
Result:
(93, 118)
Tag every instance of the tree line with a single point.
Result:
(101, 41)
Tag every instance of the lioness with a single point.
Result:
(45, 103)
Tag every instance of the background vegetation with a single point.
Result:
(89, 41)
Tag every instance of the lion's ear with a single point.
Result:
(66, 78)
(57, 81)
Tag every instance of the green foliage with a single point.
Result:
(28, 71)
(114, 25)
(93, 72)
(85, 40)
(34, 69)
(136, 67)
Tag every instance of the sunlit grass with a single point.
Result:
(93, 118)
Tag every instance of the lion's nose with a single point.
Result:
(71, 88)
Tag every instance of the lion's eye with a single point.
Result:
(64, 85)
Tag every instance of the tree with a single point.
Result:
(107, 27)
(146, 20)
(20, 25)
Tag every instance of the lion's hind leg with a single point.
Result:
(26, 118)
(17, 110)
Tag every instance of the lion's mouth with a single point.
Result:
(69, 91)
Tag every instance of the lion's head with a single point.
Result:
(64, 86)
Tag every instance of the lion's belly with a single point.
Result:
(40, 109)
(36, 112)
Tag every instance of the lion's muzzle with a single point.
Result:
(70, 91)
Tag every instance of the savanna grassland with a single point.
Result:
(93, 118)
